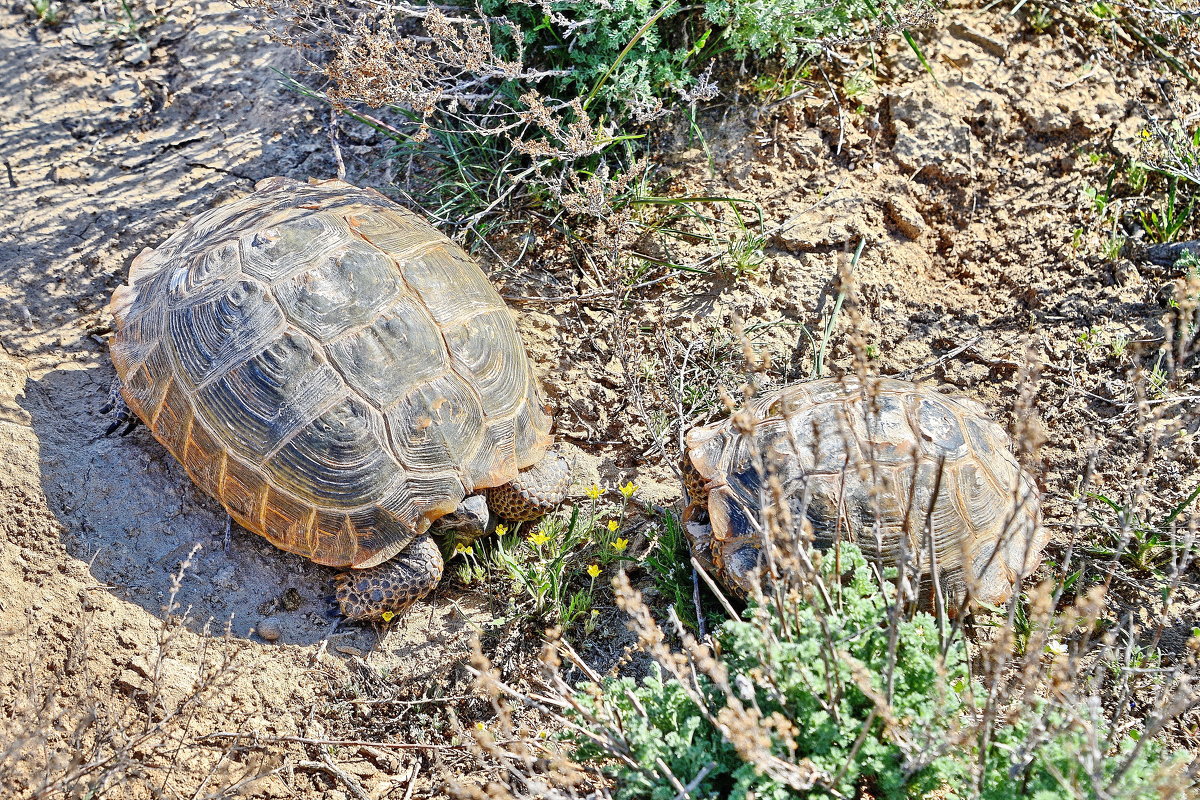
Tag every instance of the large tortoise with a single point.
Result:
(339, 375)
(881, 463)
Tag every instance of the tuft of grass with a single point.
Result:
(48, 12)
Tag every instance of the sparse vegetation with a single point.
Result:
(661, 188)
(540, 105)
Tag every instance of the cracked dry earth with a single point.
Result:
(966, 195)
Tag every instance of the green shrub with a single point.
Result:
(585, 41)
(831, 700)
(792, 29)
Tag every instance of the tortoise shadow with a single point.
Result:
(152, 538)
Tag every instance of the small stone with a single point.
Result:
(907, 219)
(269, 628)
(137, 53)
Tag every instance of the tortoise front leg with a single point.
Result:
(393, 586)
(536, 490)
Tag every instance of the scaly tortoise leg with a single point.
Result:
(117, 409)
(393, 586)
(536, 490)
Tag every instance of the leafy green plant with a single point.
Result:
(48, 12)
(669, 565)
(823, 698)
(1040, 19)
(1143, 545)
(553, 567)
(1165, 227)
(793, 29)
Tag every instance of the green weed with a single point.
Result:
(824, 699)
(1133, 540)
(48, 12)
(552, 569)
(1165, 227)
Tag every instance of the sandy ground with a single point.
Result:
(967, 194)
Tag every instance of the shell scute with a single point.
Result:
(500, 381)
(336, 459)
(939, 427)
(369, 359)
(243, 490)
(344, 290)
(287, 521)
(219, 331)
(204, 458)
(263, 400)
(276, 252)
(437, 424)
(451, 285)
(494, 460)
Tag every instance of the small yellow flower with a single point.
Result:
(593, 492)
(501, 530)
(480, 726)
(613, 525)
(620, 544)
(460, 549)
(594, 570)
(595, 613)
(628, 489)
(1145, 134)
(538, 539)
(388, 616)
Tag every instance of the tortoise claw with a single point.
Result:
(116, 408)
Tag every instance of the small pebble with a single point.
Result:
(269, 628)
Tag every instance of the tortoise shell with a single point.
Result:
(883, 464)
(331, 368)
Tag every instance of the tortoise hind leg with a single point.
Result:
(536, 490)
(120, 413)
(393, 586)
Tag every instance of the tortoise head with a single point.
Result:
(722, 529)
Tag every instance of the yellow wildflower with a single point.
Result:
(628, 489)
(538, 539)
(460, 549)
(620, 544)
(501, 530)
(388, 616)
(593, 492)
(613, 525)
(594, 570)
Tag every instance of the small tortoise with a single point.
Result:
(339, 375)
(882, 465)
